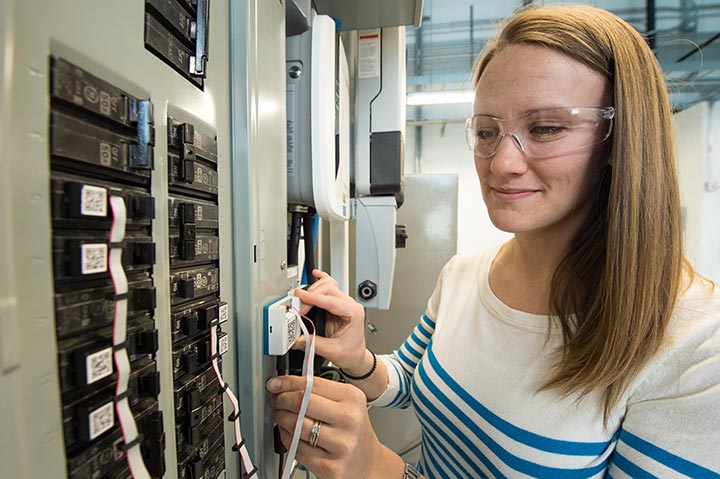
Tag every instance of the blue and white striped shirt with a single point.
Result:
(472, 369)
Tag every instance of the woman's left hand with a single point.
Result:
(346, 443)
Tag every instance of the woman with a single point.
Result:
(583, 347)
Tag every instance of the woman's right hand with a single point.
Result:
(344, 341)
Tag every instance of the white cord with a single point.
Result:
(136, 464)
(308, 370)
(239, 445)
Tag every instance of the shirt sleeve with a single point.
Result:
(402, 362)
(401, 365)
(671, 427)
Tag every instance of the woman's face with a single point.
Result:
(525, 194)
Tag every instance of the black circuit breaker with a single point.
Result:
(194, 250)
(177, 32)
(101, 151)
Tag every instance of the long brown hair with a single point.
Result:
(615, 289)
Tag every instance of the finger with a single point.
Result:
(324, 279)
(308, 456)
(321, 288)
(326, 283)
(325, 388)
(319, 274)
(299, 343)
(306, 296)
(324, 409)
(329, 348)
(339, 305)
(287, 421)
(327, 288)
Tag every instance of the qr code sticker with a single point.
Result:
(292, 331)
(223, 313)
(98, 365)
(93, 201)
(94, 258)
(101, 420)
(223, 344)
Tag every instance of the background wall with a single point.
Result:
(444, 151)
(698, 132)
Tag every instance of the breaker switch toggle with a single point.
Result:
(143, 207)
(189, 324)
(186, 288)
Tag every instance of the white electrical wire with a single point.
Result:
(239, 445)
(308, 370)
(132, 439)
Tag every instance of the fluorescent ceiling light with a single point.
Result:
(439, 97)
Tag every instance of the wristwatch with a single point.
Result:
(411, 472)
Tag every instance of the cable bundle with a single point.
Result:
(215, 352)
(131, 437)
(308, 370)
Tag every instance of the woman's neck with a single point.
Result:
(522, 271)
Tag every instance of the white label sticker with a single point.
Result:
(223, 313)
(223, 344)
(369, 54)
(105, 103)
(98, 365)
(101, 420)
(94, 258)
(290, 99)
(292, 328)
(93, 201)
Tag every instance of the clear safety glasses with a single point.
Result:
(541, 133)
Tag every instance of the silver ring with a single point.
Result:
(315, 432)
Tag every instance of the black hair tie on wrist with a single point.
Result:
(366, 375)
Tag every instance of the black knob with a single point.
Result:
(367, 290)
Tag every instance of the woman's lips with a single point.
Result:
(511, 194)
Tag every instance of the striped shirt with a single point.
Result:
(472, 369)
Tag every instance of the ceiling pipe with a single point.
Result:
(650, 23)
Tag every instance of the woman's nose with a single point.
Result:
(509, 158)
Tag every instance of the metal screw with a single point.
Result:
(295, 71)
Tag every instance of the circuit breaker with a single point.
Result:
(177, 31)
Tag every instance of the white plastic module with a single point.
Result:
(281, 325)
(331, 188)
(380, 117)
(318, 118)
(375, 240)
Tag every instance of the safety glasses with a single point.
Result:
(541, 133)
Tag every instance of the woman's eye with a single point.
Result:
(485, 134)
(541, 131)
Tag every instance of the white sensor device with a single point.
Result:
(281, 325)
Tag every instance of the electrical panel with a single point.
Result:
(135, 244)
